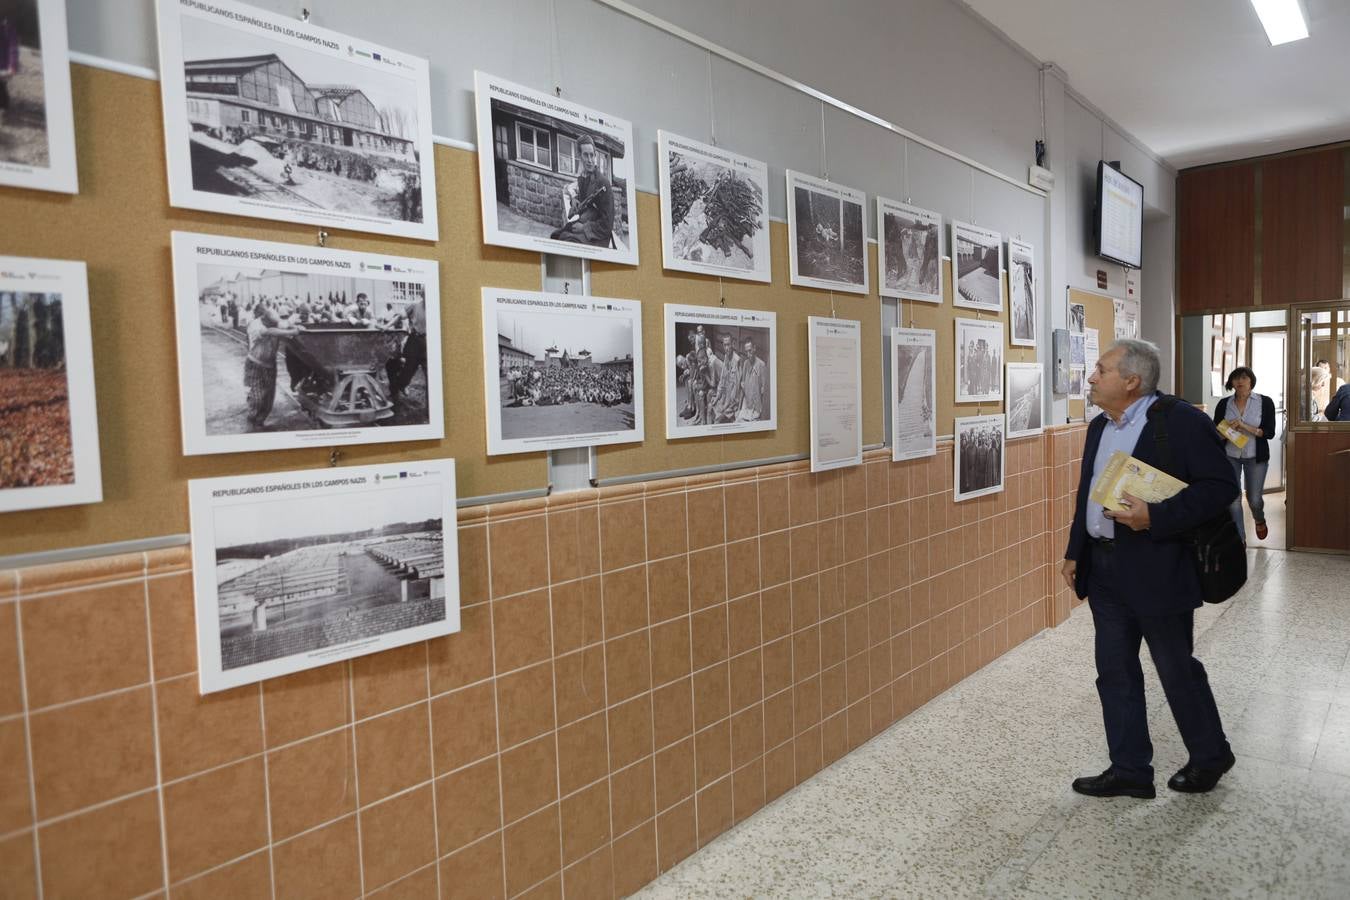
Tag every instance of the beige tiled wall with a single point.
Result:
(639, 668)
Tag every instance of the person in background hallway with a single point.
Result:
(1253, 415)
(1138, 572)
(1338, 410)
(1319, 382)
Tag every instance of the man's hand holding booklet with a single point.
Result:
(1124, 474)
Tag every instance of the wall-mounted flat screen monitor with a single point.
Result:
(1119, 223)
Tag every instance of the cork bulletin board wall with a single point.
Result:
(120, 223)
(1101, 315)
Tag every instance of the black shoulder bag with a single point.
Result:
(1220, 556)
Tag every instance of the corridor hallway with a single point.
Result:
(969, 795)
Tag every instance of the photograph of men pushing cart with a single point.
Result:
(295, 351)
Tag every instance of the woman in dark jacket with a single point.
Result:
(1246, 419)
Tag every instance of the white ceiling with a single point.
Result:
(1195, 80)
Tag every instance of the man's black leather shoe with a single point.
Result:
(1108, 784)
(1195, 780)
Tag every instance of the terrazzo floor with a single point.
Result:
(969, 796)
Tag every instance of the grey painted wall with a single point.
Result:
(928, 65)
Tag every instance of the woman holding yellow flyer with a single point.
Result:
(1246, 420)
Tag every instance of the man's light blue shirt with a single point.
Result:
(1115, 437)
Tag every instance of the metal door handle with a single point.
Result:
(1339, 452)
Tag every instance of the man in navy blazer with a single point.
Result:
(1139, 575)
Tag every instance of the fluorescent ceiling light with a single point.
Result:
(1282, 19)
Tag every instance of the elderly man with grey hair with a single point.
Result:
(1138, 573)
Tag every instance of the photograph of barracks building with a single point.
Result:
(238, 98)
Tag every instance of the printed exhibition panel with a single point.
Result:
(275, 118)
(294, 570)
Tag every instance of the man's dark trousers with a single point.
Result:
(1120, 677)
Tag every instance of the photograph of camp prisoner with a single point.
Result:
(35, 438)
(561, 374)
(296, 351)
(979, 361)
(288, 126)
(829, 237)
(979, 456)
(556, 179)
(716, 212)
(282, 596)
(722, 374)
(977, 257)
(912, 253)
(23, 104)
(1024, 399)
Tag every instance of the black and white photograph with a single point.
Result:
(1025, 416)
(979, 457)
(714, 210)
(979, 361)
(48, 420)
(1021, 294)
(721, 371)
(977, 266)
(834, 355)
(555, 176)
(913, 393)
(560, 370)
(1077, 318)
(826, 242)
(269, 116)
(909, 252)
(1077, 383)
(1125, 317)
(37, 129)
(1078, 348)
(293, 570)
(281, 345)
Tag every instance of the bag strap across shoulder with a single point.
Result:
(1157, 414)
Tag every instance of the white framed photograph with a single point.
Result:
(721, 371)
(979, 458)
(1077, 318)
(1021, 294)
(283, 345)
(977, 266)
(834, 352)
(48, 418)
(275, 118)
(714, 210)
(293, 570)
(560, 370)
(555, 176)
(909, 252)
(913, 393)
(37, 125)
(826, 243)
(1025, 386)
(1126, 317)
(979, 361)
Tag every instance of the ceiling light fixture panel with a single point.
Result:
(1282, 19)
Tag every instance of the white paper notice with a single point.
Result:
(836, 392)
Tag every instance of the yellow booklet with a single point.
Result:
(1126, 475)
(1237, 438)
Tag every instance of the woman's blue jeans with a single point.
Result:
(1251, 475)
